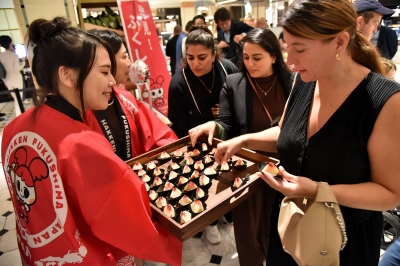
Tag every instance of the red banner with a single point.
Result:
(143, 43)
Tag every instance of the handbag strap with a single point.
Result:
(325, 195)
(340, 222)
(223, 68)
(187, 83)
(184, 75)
(258, 95)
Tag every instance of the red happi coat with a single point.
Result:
(76, 205)
(147, 130)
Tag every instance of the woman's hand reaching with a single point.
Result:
(206, 128)
(291, 185)
(225, 150)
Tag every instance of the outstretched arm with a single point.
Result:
(263, 141)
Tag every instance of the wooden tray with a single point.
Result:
(221, 197)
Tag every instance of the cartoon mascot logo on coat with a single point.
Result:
(157, 91)
(24, 176)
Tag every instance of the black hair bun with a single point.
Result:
(42, 29)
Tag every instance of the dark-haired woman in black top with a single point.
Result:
(251, 101)
(194, 91)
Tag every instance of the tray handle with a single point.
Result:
(233, 199)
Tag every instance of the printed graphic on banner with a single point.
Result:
(143, 43)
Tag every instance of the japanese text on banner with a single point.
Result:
(144, 45)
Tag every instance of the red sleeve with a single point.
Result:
(152, 130)
(132, 229)
(114, 203)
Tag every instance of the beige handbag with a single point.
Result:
(312, 231)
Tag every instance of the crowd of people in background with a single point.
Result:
(227, 39)
(229, 32)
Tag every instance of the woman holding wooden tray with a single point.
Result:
(75, 201)
(251, 101)
(341, 125)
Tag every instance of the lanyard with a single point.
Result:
(110, 131)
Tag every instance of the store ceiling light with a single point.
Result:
(226, 2)
(202, 7)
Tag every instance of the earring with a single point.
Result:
(337, 57)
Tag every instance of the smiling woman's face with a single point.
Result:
(97, 86)
(123, 62)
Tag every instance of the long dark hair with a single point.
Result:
(111, 37)
(325, 19)
(57, 44)
(268, 41)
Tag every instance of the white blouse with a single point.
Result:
(13, 66)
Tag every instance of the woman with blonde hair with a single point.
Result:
(340, 125)
(389, 68)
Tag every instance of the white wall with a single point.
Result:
(165, 3)
(6, 4)
(8, 21)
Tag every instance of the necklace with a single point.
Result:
(266, 92)
(258, 95)
(212, 85)
(109, 104)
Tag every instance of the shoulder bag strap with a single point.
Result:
(184, 75)
(223, 68)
